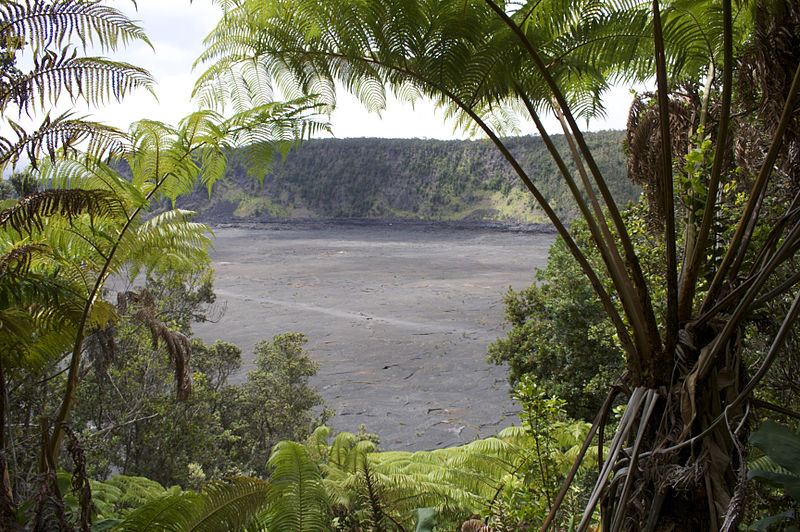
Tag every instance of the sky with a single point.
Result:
(176, 29)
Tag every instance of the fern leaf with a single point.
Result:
(32, 211)
(63, 135)
(299, 501)
(44, 23)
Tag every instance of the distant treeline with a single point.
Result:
(410, 178)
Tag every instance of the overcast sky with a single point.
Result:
(176, 29)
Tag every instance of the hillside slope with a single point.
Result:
(408, 178)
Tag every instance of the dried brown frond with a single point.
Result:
(177, 344)
(102, 347)
(764, 75)
(748, 150)
(31, 211)
(643, 141)
(48, 514)
(80, 479)
(18, 260)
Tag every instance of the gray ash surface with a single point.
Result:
(398, 315)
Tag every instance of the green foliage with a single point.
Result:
(560, 333)
(138, 426)
(430, 179)
(293, 500)
(300, 502)
(43, 34)
(347, 485)
(229, 504)
(129, 419)
(681, 324)
(23, 184)
(782, 447)
(275, 403)
(120, 494)
(111, 500)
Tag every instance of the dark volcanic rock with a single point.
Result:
(398, 316)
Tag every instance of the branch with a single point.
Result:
(758, 403)
(645, 314)
(667, 188)
(692, 271)
(608, 259)
(601, 415)
(761, 182)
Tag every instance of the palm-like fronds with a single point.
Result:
(54, 74)
(230, 504)
(40, 28)
(39, 305)
(170, 512)
(18, 259)
(30, 212)
(369, 486)
(62, 135)
(299, 501)
(44, 23)
(38, 313)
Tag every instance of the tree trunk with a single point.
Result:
(8, 519)
(674, 462)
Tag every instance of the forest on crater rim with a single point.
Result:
(418, 179)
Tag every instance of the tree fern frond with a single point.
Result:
(299, 501)
(17, 261)
(176, 343)
(89, 174)
(31, 211)
(63, 136)
(44, 23)
(97, 80)
(230, 504)
(765, 463)
(171, 512)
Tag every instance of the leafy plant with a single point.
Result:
(559, 333)
(782, 447)
(483, 60)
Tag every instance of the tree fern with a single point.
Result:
(299, 501)
(479, 59)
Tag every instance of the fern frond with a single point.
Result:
(31, 211)
(44, 23)
(17, 261)
(37, 316)
(97, 80)
(299, 501)
(765, 463)
(89, 174)
(63, 136)
(172, 512)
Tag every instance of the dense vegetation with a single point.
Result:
(715, 149)
(411, 178)
(695, 282)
